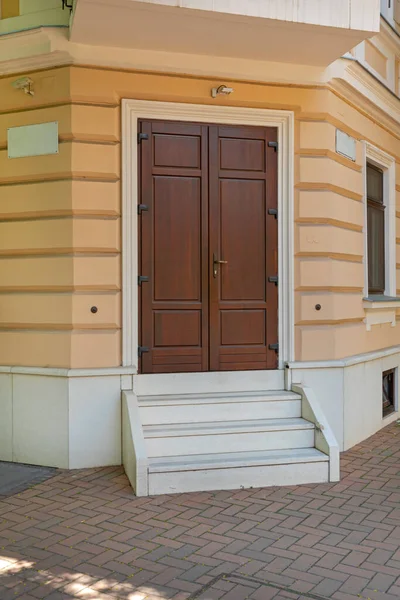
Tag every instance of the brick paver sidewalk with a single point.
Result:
(84, 535)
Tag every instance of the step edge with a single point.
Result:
(184, 429)
(176, 468)
(244, 397)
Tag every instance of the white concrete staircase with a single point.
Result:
(218, 439)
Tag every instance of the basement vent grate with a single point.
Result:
(388, 392)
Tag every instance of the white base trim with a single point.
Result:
(344, 362)
(59, 372)
(59, 421)
(132, 110)
(349, 392)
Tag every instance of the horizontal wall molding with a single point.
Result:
(345, 362)
(330, 289)
(23, 109)
(65, 102)
(61, 289)
(329, 322)
(311, 186)
(69, 102)
(358, 258)
(85, 327)
(69, 176)
(101, 140)
(330, 222)
(31, 252)
(60, 372)
(324, 153)
(70, 138)
(68, 215)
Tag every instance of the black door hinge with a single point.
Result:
(142, 350)
(273, 211)
(141, 137)
(142, 279)
(141, 208)
(274, 347)
(273, 279)
(273, 145)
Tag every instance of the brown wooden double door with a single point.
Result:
(208, 244)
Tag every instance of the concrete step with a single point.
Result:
(195, 408)
(191, 473)
(208, 383)
(229, 436)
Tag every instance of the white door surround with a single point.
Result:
(132, 110)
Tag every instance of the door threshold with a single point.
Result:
(208, 382)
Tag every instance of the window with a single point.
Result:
(380, 300)
(375, 230)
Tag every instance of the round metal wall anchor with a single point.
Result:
(318, 307)
(94, 309)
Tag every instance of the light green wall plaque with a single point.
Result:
(33, 140)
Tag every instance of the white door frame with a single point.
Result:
(132, 110)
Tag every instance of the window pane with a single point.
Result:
(374, 184)
(376, 248)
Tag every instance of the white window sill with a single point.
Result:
(380, 310)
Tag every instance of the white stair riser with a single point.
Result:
(208, 383)
(229, 442)
(230, 479)
(197, 412)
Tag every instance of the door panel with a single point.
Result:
(243, 303)
(174, 302)
(208, 189)
(242, 239)
(244, 327)
(177, 151)
(177, 243)
(240, 154)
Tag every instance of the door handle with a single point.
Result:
(217, 262)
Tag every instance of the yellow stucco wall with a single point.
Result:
(60, 230)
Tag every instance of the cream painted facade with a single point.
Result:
(68, 237)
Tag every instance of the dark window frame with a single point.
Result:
(376, 230)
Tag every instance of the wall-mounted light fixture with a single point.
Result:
(24, 83)
(222, 90)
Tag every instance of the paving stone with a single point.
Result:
(84, 535)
